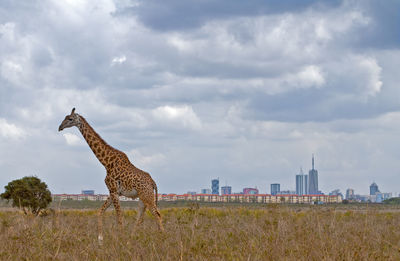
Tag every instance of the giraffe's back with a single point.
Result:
(130, 181)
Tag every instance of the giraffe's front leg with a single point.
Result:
(100, 217)
(115, 200)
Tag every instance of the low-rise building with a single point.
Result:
(239, 198)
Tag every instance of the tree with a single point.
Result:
(29, 193)
(394, 201)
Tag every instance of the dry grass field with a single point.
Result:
(207, 233)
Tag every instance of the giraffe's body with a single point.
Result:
(123, 178)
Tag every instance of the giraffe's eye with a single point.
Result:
(70, 119)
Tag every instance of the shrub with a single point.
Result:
(394, 201)
(29, 193)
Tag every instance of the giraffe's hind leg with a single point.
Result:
(157, 214)
(141, 210)
(151, 205)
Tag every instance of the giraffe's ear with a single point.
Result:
(73, 111)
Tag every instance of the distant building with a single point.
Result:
(191, 192)
(206, 191)
(387, 195)
(373, 189)
(88, 192)
(306, 191)
(226, 190)
(275, 188)
(215, 186)
(313, 180)
(349, 193)
(250, 191)
(287, 192)
(301, 183)
(380, 197)
(336, 192)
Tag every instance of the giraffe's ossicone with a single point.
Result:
(123, 178)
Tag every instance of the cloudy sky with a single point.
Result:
(194, 90)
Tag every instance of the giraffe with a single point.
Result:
(122, 178)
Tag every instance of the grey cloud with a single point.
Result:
(182, 15)
(381, 33)
(241, 68)
(313, 105)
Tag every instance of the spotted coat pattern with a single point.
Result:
(123, 178)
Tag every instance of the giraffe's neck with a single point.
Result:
(99, 147)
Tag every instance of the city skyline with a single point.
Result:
(216, 189)
(244, 91)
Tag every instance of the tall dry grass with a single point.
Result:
(269, 233)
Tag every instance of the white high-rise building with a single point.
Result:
(301, 183)
(349, 193)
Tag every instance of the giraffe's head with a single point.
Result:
(70, 120)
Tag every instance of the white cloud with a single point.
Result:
(357, 77)
(72, 139)
(255, 85)
(310, 76)
(7, 31)
(80, 11)
(179, 42)
(146, 161)
(268, 39)
(11, 71)
(9, 130)
(372, 75)
(118, 60)
(177, 115)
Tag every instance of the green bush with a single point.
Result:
(394, 201)
(29, 193)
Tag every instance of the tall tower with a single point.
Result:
(313, 179)
(301, 183)
(215, 186)
(349, 193)
(306, 191)
(275, 188)
(373, 189)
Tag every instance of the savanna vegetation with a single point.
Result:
(29, 194)
(392, 201)
(202, 232)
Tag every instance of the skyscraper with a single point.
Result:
(313, 180)
(349, 193)
(373, 189)
(215, 186)
(301, 183)
(306, 192)
(226, 190)
(275, 188)
(206, 191)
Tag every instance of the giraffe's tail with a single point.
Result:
(155, 188)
